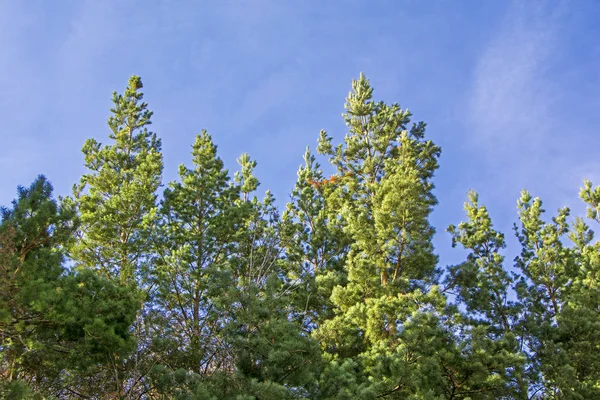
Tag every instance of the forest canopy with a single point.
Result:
(201, 288)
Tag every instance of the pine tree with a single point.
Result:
(221, 290)
(116, 201)
(54, 324)
(272, 357)
(314, 248)
(558, 289)
(491, 326)
(199, 222)
(386, 330)
(117, 198)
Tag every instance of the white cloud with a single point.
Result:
(519, 113)
(512, 98)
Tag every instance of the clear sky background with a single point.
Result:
(509, 89)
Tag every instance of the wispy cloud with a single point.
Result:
(512, 97)
(518, 108)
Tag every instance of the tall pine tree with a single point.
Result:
(117, 197)
(199, 224)
(385, 333)
(117, 207)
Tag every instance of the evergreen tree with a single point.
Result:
(491, 326)
(221, 290)
(117, 198)
(199, 223)
(272, 357)
(116, 201)
(54, 324)
(314, 248)
(386, 329)
(557, 287)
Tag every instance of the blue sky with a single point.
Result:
(510, 90)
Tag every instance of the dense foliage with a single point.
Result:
(204, 290)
